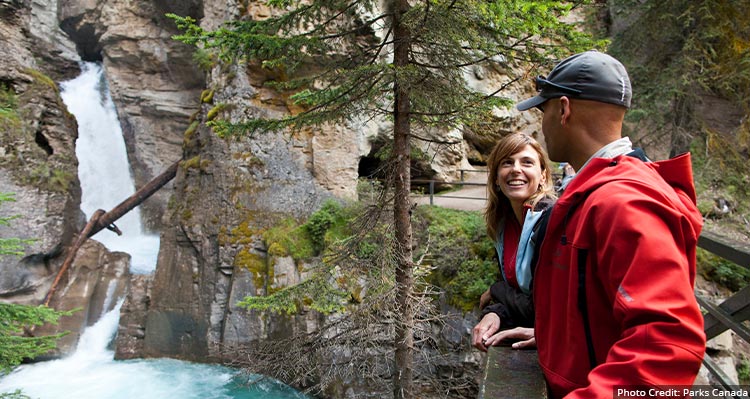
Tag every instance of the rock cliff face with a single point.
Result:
(152, 79)
(38, 137)
(226, 191)
(200, 275)
(38, 165)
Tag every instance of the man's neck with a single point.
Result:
(612, 149)
(615, 148)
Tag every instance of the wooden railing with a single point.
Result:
(431, 186)
(431, 190)
(512, 374)
(732, 312)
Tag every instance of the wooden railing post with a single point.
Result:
(432, 191)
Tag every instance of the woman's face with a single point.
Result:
(520, 175)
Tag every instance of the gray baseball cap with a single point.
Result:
(590, 75)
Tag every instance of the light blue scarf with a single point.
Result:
(525, 251)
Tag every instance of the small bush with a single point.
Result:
(204, 59)
(9, 118)
(463, 257)
(288, 238)
(460, 256)
(319, 222)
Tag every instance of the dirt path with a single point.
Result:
(464, 198)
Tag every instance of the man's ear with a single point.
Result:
(564, 110)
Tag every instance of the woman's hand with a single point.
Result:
(485, 329)
(524, 334)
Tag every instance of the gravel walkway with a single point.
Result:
(464, 198)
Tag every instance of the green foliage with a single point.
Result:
(316, 293)
(743, 371)
(42, 79)
(324, 227)
(722, 271)
(207, 96)
(12, 245)
(472, 278)
(51, 178)
(15, 347)
(725, 174)
(692, 45)
(460, 259)
(204, 59)
(9, 118)
(326, 56)
(288, 238)
(464, 259)
(17, 394)
(695, 49)
(327, 234)
(214, 112)
(321, 221)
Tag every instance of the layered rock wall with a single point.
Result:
(37, 146)
(38, 165)
(153, 79)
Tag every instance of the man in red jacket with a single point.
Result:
(613, 287)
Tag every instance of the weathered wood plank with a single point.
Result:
(511, 374)
(735, 251)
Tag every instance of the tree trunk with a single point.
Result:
(404, 358)
(681, 137)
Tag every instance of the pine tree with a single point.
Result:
(348, 60)
(15, 346)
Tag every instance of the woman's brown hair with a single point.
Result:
(498, 205)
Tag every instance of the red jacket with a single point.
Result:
(634, 226)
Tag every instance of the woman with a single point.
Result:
(520, 187)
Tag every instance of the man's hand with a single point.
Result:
(524, 334)
(486, 327)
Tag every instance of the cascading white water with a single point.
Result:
(103, 167)
(91, 371)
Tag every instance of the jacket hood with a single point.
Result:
(675, 173)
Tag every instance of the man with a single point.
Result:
(613, 287)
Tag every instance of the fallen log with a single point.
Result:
(105, 220)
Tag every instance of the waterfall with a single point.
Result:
(103, 167)
(91, 371)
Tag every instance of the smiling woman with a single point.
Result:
(515, 151)
(518, 188)
(519, 177)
